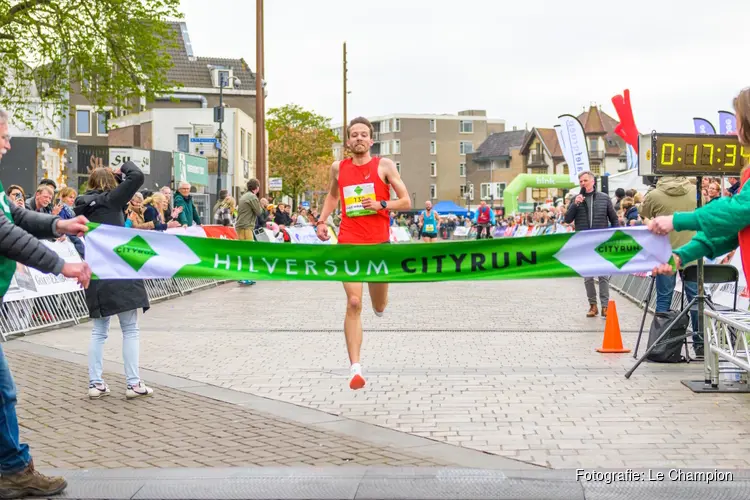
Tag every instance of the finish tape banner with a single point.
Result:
(122, 253)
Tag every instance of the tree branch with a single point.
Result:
(27, 5)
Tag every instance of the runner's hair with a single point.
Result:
(360, 120)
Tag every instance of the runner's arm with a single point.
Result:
(332, 198)
(394, 179)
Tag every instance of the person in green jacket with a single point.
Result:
(718, 224)
(182, 199)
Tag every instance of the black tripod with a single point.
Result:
(699, 299)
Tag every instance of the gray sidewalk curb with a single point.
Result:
(379, 436)
(329, 483)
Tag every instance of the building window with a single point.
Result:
(462, 169)
(398, 167)
(385, 127)
(466, 127)
(499, 189)
(466, 148)
(433, 147)
(433, 169)
(243, 150)
(101, 122)
(223, 77)
(484, 191)
(385, 148)
(433, 126)
(397, 125)
(594, 144)
(433, 191)
(397, 147)
(83, 122)
(462, 190)
(183, 143)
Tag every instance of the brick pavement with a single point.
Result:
(508, 368)
(66, 430)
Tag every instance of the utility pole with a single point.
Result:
(344, 133)
(260, 107)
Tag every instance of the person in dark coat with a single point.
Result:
(592, 209)
(105, 202)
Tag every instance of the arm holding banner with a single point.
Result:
(700, 247)
(21, 246)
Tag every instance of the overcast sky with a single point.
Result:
(524, 62)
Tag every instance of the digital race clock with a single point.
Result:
(688, 154)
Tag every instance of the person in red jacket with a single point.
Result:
(362, 183)
(722, 225)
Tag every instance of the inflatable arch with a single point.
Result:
(523, 181)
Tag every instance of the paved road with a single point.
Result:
(508, 368)
(66, 430)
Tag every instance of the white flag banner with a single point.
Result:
(575, 139)
(567, 152)
(632, 158)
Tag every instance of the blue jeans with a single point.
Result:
(130, 349)
(664, 291)
(14, 456)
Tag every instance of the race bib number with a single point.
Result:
(353, 196)
(429, 228)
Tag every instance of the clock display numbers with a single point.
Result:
(683, 154)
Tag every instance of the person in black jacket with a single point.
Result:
(592, 210)
(19, 230)
(105, 203)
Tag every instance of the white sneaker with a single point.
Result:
(378, 314)
(138, 391)
(98, 390)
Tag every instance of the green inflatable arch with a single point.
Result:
(523, 181)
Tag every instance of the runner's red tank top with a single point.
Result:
(356, 182)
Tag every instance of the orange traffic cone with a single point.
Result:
(612, 337)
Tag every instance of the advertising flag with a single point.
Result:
(727, 123)
(703, 126)
(567, 152)
(575, 139)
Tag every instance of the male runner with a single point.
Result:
(484, 218)
(429, 223)
(361, 182)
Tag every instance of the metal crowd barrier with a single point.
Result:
(635, 288)
(55, 311)
(727, 333)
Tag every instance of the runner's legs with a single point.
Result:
(378, 296)
(353, 321)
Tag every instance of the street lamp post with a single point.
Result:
(219, 117)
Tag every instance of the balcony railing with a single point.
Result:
(536, 160)
(596, 154)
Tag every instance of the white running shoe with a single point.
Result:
(138, 391)
(98, 390)
(378, 314)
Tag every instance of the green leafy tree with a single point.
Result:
(115, 47)
(300, 146)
